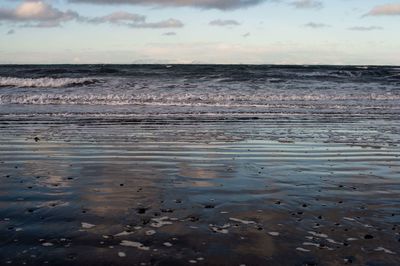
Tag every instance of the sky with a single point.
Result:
(360, 32)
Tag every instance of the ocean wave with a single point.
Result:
(44, 82)
(187, 99)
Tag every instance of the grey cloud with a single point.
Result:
(307, 4)
(316, 25)
(370, 28)
(10, 32)
(35, 13)
(247, 34)
(385, 10)
(219, 22)
(204, 4)
(133, 21)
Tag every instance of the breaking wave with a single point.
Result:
(44, 82)
(186, 99)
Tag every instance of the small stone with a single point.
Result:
(367, 236)
(121, 254)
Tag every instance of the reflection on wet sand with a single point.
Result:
(201, 200)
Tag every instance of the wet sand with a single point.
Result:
(204, 191)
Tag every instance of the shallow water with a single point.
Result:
(201, 184)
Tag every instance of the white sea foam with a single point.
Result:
(43, 82)
(190, 99)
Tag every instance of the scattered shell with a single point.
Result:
(273, 233)
(241, 221)
(303, 249)
(121, 254)
(310, 244)
(220, 229)
(87, 225)
(384, 250)
(333, 241)
(124, 233)
(150, 232)
(158, 222)
(318, 234)
(137, 245)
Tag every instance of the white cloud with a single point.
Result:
(316, 25)
(35, 13)
(119, 18)
(363, 28)
(169, 23)
(385, 10)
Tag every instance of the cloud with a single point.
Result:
(204, 4)
(10, 32)
(170, 33)
(247, 34)
(316, 25)
(385, 10)
(118, 18)
(133, 20)
(35, 13)
(307, 4)
(361, 28)
(169, 23)
(219, 22)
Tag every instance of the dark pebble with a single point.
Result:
(368, 236)
(141, 210)
(193, 218)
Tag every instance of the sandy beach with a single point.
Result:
(199, 191)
